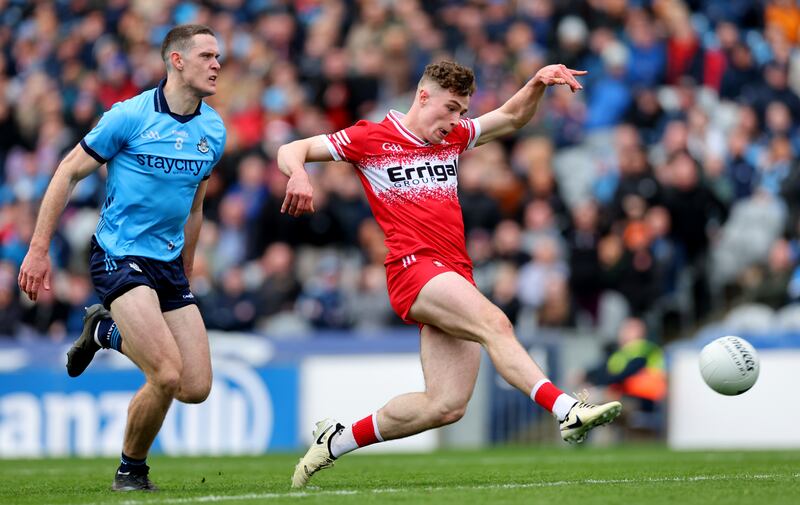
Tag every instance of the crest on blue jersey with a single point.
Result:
(202, 146)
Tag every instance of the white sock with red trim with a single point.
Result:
(553, 399)
(360, 434)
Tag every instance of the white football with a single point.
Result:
(729, 365)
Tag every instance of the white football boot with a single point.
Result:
(318, 456)
(583, 416)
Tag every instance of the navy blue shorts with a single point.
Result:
(113, 277)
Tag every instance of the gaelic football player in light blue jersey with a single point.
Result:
(159, 147)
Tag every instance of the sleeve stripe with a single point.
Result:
(476, 128)
(332, 148)
(339, 148)
(341, 136)
(467, 124)
(91, 152)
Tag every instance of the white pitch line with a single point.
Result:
(597, 458)
(528, 485)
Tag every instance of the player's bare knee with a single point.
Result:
(167, 380)
(498, 326)
(449, 411)
(194, 393)
(450, 414)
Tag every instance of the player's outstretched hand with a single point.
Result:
(299, 195)
(553, 75)
(34, 274)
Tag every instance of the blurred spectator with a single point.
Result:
(778, 281)
(347, 206)
(235, 308)
(371, 241)
(572, 47)
(507, 243)
(49, 314)
(540, 280)
(232, 242)
(717, 179)
(368, 306)
(479, 249)
(635, 178)
(557, 310)
(566, 115)
(540, 223)
(647, 115)
(683, 44)
(10, 310)
(609, 96)
(480, 210)
(704, 139)
(621, 273)
(662, 249)
(585, 280)
(647, 53)
(322, 300)
(250, 185)
(634, 369)
(740, 72)
(504, 291)
(773, 88)
(785, 14)
(739, 170)
(278, 286)
(542, 185)
(775, 165)
(696, 214)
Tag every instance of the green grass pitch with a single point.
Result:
(559, 476)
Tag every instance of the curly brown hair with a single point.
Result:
(457, 79)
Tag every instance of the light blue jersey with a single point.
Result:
(156, 159)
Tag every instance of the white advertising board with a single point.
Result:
(765, 417)
(350, 387)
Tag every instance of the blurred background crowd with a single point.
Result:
(667, 190)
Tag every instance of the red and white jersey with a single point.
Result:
(411, 185)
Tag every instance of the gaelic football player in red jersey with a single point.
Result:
(408, 165)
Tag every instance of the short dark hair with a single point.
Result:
(180, 38)
(457, 79)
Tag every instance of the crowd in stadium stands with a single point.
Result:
(666, 189)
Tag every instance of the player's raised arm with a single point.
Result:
(520, 108)
(35, 269)
(291, 160)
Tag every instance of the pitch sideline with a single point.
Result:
(352, 492)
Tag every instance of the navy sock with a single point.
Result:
(108, 335)
(129, 464)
